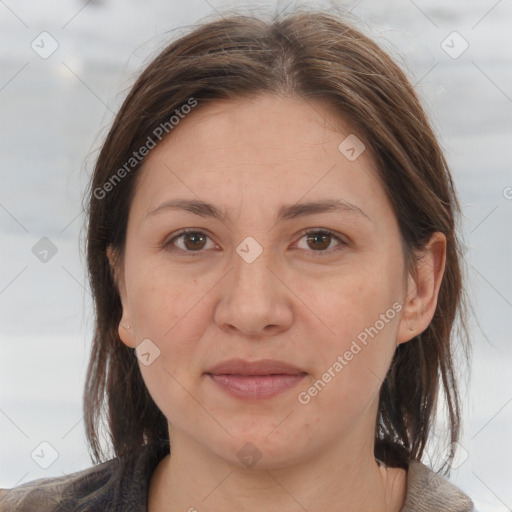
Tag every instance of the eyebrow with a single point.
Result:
(286, 212)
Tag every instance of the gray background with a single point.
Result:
(54, 112)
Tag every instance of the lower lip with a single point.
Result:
(256, 386)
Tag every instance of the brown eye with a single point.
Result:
(189, 241)
(321, 241)
(194, 240)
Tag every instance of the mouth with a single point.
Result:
(255, 380)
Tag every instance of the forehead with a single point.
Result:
(265, 149)
(264, 126)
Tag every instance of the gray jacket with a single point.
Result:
(121, 485)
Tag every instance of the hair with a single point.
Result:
(314, 56)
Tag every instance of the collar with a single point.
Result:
(429, 492)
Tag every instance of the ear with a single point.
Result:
(423, 289)
(126, 327)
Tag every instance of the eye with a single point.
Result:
(192, 241)
(321, 240)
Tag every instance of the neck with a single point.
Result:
(345, 478)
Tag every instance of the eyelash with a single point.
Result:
(168, 245)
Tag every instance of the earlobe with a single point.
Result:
(423, 289)
(125, 333)
(124, 328)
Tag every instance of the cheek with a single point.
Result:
(169, 311)
(162, 299)
(173, 394)
(359, 313)
(344, 305)
(174, 319)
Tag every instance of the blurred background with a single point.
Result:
(65, 67)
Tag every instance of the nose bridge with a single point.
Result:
(251, 273)
(253, 297)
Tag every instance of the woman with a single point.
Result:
(273, 254)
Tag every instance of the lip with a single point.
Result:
(256, 387)
(260, 367)
(254, 380)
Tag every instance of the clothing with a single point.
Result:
(122, 486)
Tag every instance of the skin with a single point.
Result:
(293, 303)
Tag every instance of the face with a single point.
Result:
(321, 290)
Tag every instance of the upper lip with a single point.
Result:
(261, 367)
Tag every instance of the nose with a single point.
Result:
(253, 299)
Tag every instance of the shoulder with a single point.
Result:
(428, 491)
(62, 493)
(119, 484)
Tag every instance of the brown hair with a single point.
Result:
(311, 55)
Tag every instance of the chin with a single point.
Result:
(262, 447)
